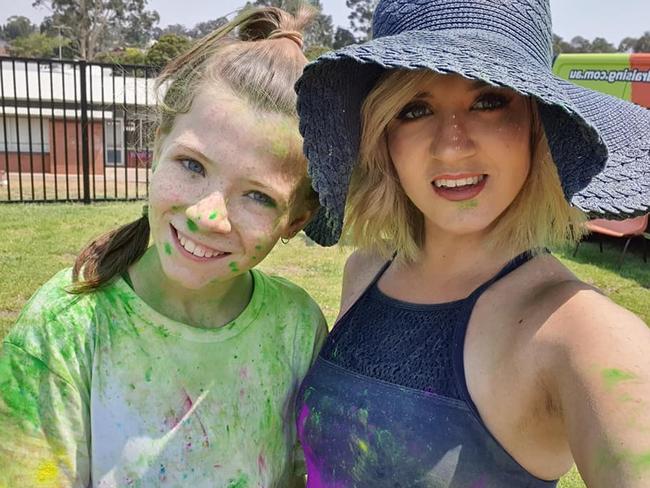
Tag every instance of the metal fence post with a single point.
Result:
(85, 157)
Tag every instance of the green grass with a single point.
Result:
(38, 240)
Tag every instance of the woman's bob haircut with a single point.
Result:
(380, 218)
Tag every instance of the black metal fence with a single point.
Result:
(74, 130)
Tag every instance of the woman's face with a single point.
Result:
(461, 150)
(220, 195)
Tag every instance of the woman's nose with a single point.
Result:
(210, 214)
(452, 141)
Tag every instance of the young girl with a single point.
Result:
(465, 355)
(178, 364)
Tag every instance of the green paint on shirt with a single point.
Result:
(192, 225)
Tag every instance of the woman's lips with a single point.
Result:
(460, 193)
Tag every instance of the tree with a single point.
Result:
(93, 26)
(627, 45)
(173, 29)
(165, 49)
(204, 28)
(642, 45)
(602, 45)
(361, 17)
(35, 45)
(342, 38)
(17, 26)
(580, 45)
(129, 55)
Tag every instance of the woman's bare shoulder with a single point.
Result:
(360, 269)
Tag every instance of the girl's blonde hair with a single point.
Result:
(261, 64)
(381, 218)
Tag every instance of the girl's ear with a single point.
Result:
(297, 224)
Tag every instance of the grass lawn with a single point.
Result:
(38, 240)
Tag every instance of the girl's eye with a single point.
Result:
(262, 198)
(490, 101)
(414, 111)
(193, 166)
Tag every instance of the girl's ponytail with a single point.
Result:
(110, 255)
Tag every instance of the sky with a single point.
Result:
(612, 20)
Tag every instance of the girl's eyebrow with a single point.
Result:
(182, 147)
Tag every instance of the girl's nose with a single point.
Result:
(452, 141)
(210, 214)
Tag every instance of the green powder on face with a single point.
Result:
(254, 258)
(192, 225)
(258, 247)
(168, 248)
(467, 204)
(213, 215)
(612, 377)
(233, 266)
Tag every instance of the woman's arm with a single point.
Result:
(600, 366)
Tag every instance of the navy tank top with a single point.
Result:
(386, 402)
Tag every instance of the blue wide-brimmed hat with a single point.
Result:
(600, 144)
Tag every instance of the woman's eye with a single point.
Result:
(193, 166)
(414, 111)
(262, 198)
(491, 101)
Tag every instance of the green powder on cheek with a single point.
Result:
(192, 225)
(468, 204)
(213, 215)
(612, 377)
(233, 266)
(168, 248)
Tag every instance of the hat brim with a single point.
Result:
(333, 88)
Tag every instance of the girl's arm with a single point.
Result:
(600, 366)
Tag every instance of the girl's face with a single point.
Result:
(461, 150)
(220, 195)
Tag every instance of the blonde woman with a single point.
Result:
(465, 355)
(177, 364)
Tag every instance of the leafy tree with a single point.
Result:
(165, 49)
(129, 55)
(93, 26)
(581, 45)
(17, 26)
(642, 45)
(173, 29)
(313, 52)
(602, 45)
(342, 38)
(35, 45)
(204, 28)
(361, 17)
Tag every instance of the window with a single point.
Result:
(40, 142)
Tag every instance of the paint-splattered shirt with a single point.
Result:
(101, 390)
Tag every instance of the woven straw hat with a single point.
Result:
(601, 145)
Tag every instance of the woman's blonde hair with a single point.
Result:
(381, 218)
(261, 64)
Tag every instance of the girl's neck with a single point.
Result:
(212, 306)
